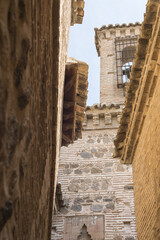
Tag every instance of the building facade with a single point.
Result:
(97, 199)
(137, 140)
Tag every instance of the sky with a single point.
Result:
(96, 14)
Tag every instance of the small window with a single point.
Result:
(126, 69)
(125, 48)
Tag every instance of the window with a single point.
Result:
(125, 48)
(126, 69)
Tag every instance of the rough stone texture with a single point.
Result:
(105, 43)
(97, 192)
(33, 49)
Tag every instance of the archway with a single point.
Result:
(84, 235)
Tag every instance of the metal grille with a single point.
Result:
(125, 48)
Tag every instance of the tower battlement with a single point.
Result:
(116, 46)
(102, 116)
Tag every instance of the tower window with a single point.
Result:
(126, 69)
(125, 48)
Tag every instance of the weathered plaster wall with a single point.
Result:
(33, 50)
(94, 185)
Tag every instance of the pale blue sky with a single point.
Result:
(98, 13)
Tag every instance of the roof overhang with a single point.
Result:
(75, 96)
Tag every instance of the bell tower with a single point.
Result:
(116, 46)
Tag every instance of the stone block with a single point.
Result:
(95, 186)
(109, 164)
(78, 201)
(78, 171)
(67, 171)
(99, 155)
(107, 170)
(90, 141)
(74, 165)
(95, 170)
(110, 206)
(96, 208)
(86, 155)
(64, 210)
(76, 208)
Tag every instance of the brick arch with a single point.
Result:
(84, 235)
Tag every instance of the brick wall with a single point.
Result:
(146, 167)
(94, 184)
(138, 138)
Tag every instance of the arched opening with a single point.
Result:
(84, 235)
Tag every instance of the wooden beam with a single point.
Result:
(68, 104)
(66, 138)
(67, 126)
(69, 83)
(67, 116)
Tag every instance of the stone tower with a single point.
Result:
(116, 46)
(96, 199)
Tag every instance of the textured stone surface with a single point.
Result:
(95, 170)
(86, 155)
(95, 190)
(96, 208)
(110, 206)
(33, 52)
(76, 208)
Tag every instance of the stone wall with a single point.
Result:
(33, 49)
(105, 44)
(97, 190)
